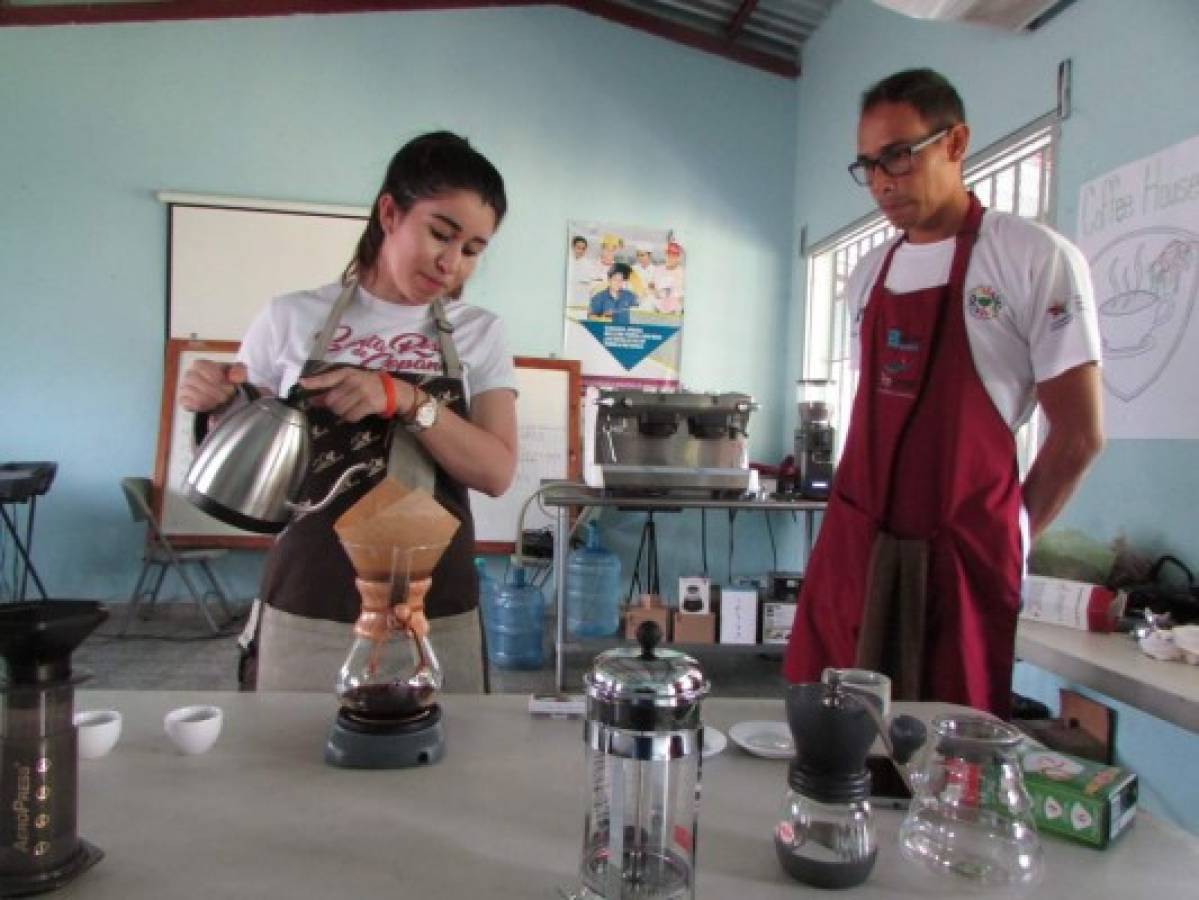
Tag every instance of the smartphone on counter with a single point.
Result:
(888, 790)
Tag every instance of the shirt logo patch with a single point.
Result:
(984, 303)
(897, 341)
(1061, 313)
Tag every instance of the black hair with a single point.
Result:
(425, 167)
(621, 269)
(578, 237)
(929, 92)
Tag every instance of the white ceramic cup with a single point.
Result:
(864, 681)
(193, 729)
(99, 730)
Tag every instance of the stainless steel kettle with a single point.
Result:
(249, 470)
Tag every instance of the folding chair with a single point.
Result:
(159, 554)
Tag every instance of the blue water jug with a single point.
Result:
(515, 620)
(487, 589)
(593, 589)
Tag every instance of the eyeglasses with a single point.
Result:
(894, 161)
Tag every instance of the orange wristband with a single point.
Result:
(389, 392)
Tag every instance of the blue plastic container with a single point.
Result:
(593, 589)
(514, 618)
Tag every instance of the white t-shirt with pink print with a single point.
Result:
(375, 334)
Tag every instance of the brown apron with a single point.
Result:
(307, 573)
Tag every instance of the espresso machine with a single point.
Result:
(644, 739)
(673, 444)
(815, 438)
(388, 717)
(40, 849)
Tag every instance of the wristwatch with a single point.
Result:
(424, 416)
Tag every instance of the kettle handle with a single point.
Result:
(343, 482)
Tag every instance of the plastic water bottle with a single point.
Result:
(593, 589)
(515, 624)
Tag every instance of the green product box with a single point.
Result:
(1075, 798)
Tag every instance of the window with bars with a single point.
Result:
(1013, 175)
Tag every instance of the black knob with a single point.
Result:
(649, 635)
(907, 736)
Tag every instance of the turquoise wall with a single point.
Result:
(585, 118)
(1134, 66)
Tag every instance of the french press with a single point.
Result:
(644, 738)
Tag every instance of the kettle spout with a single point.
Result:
(346, 480)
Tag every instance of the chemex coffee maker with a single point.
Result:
(825, 835)
(682, 444)
(389, 719)
(39, 847)
(815, 439)
(644, 738)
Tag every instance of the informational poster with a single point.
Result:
(1139, 227)
(625, 300)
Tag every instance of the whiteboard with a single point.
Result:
(227, 262)
(547, 414)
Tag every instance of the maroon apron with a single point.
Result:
(929, 466)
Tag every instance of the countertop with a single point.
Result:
(261, 815)
(1114, 665)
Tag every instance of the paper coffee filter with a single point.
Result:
(390, 522)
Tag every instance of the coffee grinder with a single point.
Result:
(388, 717)
(815, 438)
(825, 834)
(39, 847)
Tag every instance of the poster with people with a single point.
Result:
(625, 298)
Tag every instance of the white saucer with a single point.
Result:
(771, 740)
(714, 741)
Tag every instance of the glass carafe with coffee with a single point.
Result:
(39, 847)
(389, 717)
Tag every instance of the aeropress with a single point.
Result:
(39, 847)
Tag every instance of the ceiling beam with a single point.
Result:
(174, 10)
(159, 10)
(690, 37)
(738, 21)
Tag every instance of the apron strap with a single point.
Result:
(320, 346)
(445, 332)
(407, 461)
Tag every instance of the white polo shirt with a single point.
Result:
(1028, 303)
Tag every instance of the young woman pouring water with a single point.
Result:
(414, 374)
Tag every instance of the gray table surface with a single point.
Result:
(261, 815)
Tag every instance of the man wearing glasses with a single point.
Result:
(962, 325)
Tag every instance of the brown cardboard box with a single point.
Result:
(635, 615)
(694, 628)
